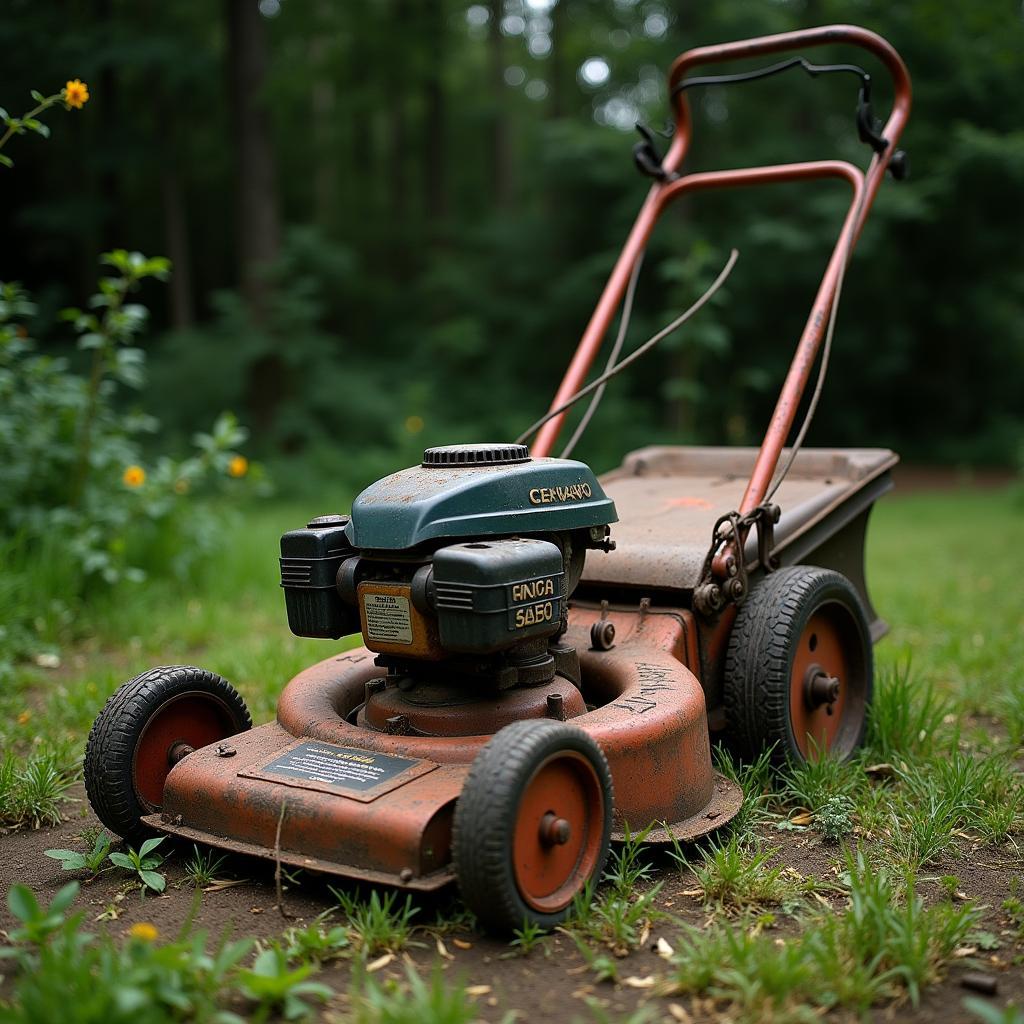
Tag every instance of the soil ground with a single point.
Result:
(552, 983)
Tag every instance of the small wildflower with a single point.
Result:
(238, 466)
(24, 718)
(76, 94)
(144, 931)
(414, 424)
(134, 476)
(181, 486)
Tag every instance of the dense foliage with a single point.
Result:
(391, 225)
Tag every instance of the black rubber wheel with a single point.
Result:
(533, 824)
(799, 667)
(150, 723)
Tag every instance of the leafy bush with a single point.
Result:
(81, 502)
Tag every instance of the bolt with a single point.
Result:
(602, 635)
(821, 688)
(178, 750)
(556, 707)
(397, 725)
(406, 875)
(225, 750)
(554, 831)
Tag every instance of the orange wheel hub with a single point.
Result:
(828, 683)
(182, 724)
(559, 831)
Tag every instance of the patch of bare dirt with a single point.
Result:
(551, 983)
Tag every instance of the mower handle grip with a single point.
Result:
(823, 35)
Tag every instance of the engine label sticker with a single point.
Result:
(349, 771)
(388, 619)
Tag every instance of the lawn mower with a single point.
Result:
(545, 654)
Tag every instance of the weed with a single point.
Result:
(316, 943)
(812, 784)
(1014, 907)
(626, 866)
(71, 860)
(905, 718)
(202, 869)
(1010, 705)
(33, 795)
(379, 924)
(413, 1002)
(989, 1014)
(143, 863)
(921, 833)
(834, 821)
(885, 943)
(617, 921)
(602, 965)
(734, 876)
(527, 938)
(37, 923)
(755, 778)
(274, 986)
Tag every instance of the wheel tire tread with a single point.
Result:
(112, 738)
(481, 836)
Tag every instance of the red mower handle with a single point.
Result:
(671, 184)
(824, 35)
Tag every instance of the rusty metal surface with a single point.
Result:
(405, 831)
(428, 883)
(467, 714)
(669, 498)
(645, 709)
(720, 810)
(661, 193)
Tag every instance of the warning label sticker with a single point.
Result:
(346, 768)
(387, 618)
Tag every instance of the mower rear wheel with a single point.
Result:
(799, 667)
(533, 824)
(148, 725)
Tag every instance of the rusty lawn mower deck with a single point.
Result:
(545, 654)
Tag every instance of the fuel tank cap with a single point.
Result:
(466, 455)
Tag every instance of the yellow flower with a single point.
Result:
(76, 94)
(238, 466)
(143, 930)
(414, 424)
(181, 486)
(134, 476)
(24, 718)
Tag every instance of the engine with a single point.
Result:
(457, 573)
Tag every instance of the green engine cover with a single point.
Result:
(477, 491)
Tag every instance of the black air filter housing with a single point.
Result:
(309, 571)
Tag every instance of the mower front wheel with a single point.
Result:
(533, 824)
(148, 725)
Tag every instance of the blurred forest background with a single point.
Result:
(389, 220)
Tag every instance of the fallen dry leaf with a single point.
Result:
(381, 961)
(663, 949)
(442, 949)
(676, 1012)
(223, 883)
(634, 982)
(462, 944)
(477, 990)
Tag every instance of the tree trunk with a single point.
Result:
(257, 227)
(435, 183)
(177, 245)
(501, 143)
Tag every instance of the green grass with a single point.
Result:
(937, 781)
